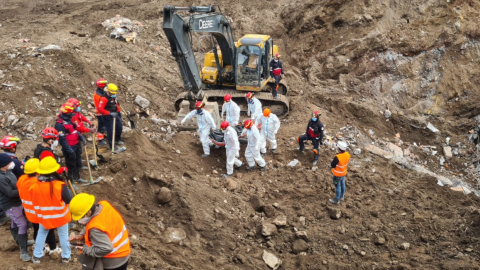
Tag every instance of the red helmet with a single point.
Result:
(74, 102)
(224, 125)
(316, 114)
(50, 133)
(101, 83)
(199, 105)
(277, 55)
(227, 98)
(67, 108)
(9, 142)
(249, 95)
(248, 123)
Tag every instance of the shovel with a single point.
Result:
(102, 158)
(132, 124)
(90, 171)
(121, 149)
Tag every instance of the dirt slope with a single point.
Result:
(352, 60)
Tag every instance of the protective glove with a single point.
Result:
(92, 130)
(84, 141)
(26, 159)
(62, 170)
(113, 114)
(237, 155)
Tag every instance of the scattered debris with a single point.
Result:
(123, 28)
(271, 260)
(432, 128)
(293, 163)
(50, 48)
(142, 102)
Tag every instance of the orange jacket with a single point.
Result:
(342, 166)
(24, 185)
(52, 212)
(110, 222)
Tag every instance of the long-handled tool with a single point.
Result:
(90, 171)
(95, 162)
(132, 124)
(71, 187)
(113, 137)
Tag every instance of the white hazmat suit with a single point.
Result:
(233, 147)
(269, 129)
(205, 123)
(254, 109)
(252, 152)
(232, 111)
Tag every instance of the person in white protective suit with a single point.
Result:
(232, 111)
(205, 123)
(252, 152)
(254, 106)
(268, 124)
(233, 148)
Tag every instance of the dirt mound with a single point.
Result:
(379, 72)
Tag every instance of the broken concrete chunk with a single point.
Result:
(447, 151)
(280, 221)
(142, 102)
(432, 128)
(269, 229)
(271, 260)
(50, 47)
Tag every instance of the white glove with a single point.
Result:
(248, 113)
(237, 155)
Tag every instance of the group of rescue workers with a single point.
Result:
(260, 128)
(35, 191)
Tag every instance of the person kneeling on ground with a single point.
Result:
(106, 237)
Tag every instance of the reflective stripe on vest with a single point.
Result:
(50, 209)
(24, 184)
(342, 166)
(111, 223)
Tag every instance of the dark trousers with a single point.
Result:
(52, 243)
(315, 143)
(277, 81)
(123, 267)
(101, 125)
(74, 164)
(108, 121)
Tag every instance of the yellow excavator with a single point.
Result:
(230, 67)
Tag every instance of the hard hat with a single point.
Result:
(101, 83)
(277, 56)
(50, 133)
(80, 205)
(199, 105)
(227, 98)
(248, 123)
(74, 102)
(342, 145)
(48, 165)
(249, 95)
(67, 108)
(224, 125)
(112, 88)
(31, 165)
(316, 114)
(266, 112)
(9, 142)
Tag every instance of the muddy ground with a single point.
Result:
(356, 61)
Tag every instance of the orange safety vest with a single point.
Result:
(24, 185)
(341, 168)
(110, 222)
(51, 210)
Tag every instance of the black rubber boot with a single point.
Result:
(14, 233)
(22, 242)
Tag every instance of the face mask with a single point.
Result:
(250, 101)
(224, 131)
(227, 102)
(276, 60)
(84, 220)
(314, 119)
(79, 109)
(199, 111)
(11, 166)
(54, 144)
(113, 96)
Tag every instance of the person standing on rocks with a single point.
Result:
(276, 72)
(233, 148)
(254, 106)
(205, 123)
(11, 204)
(269, 125)
(252, 151)
(99, 93)
(339, 169)
(50, 199)
(71, 141)
(105, 234)
(314, 133)
(50, 141)
(78, 118)
(231, 109)
(109, 108)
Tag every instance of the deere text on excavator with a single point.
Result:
(230, 67)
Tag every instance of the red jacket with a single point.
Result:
(78, 120)
(105, 105)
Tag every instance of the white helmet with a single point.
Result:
(342, 145)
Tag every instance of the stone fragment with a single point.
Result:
(404, 246)
(142, 102)
(174, 235)
(387, 114)
(269, 229)
(231, 184)
(257, 203)
(334, 213)
(301, 235)
(379, 240)
(299, 245)
(379, 152)
(280, 221)
(447, 151)
(271, 260)
(165, 195)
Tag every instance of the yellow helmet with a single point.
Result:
(31, 165)
(48, 165)
(80, 204)
(112, 88)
